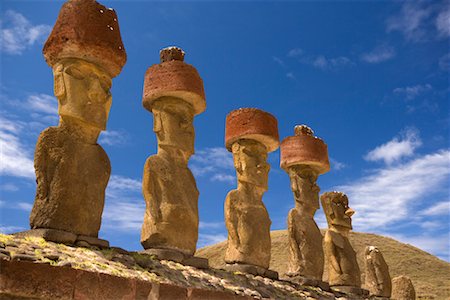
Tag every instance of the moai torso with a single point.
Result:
(171, 219)
(342, 264)
(305, 245)
(71, 180)
(340, 257)
(248, 225)
(403, 289)
(377, 278)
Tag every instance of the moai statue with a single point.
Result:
(250, 134)
(340, 258)
(378, 280)
(304, 157)
(173, 92)
(403, 289)
(85, 51)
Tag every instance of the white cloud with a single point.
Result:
(216, 163)
(387, 196)
(443, 23)
(396, 149)
(16, 159)
(336, 165)
(438, 209)
(210, 239)
(379, 54)
(324, 63)
(444, 62)
(113, 137)
(211, 225)
(124, 205)
(11, 229)
(279, 61)
(410, 21)
(291, 75)
(9, 187)
(18, 33)
(436, 244)
(42, 103)
(411, 92)
(296, 52)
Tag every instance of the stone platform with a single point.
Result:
(32, 268)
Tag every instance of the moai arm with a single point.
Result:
(293, 243)
(330, 252)
(40, 166)
(150, 191)
(231, 217)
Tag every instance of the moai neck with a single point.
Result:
(79, 130)
(252, 189)
(340, 229)
(173, 154)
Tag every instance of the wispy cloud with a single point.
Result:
(124, 204)
(11, 229)
(18, 205)
(319, 61)
(410, 20)
(337, 165)
(279, 61)
(440, 208)
(18, 33)
(15, 156)
(42, 103)
(397, 148)
(211, 225)
(379, 54)
(443, 22)
(205, 239)
(387, 196)
(216, 162)
(411, 92)
(113, 137)
(444, 62)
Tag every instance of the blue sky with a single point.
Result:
(370, 78)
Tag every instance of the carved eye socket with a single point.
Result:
(75, 72)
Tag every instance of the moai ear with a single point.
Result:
(58, 86)
(235, 148)
(157, 122)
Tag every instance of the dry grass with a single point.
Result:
(430, 275)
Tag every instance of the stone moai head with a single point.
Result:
(173, 92)
(337, 211)
(304, 157)
(250, 134)
(85, 50)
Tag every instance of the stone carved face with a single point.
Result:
(250, 161)
(336, 209)
(83, 91)
(304, 186)
(173, 124)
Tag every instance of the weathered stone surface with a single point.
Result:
(246, 217)
(92, 241)
(377, 277)
(54, 235)
(305, 240)
(253, 124)
(403, 289)
(174, 78)
(309, 282)
(85, 51)
(197, 262)
(352, 290)
(168, 185)
(304, 149)
(167, 292)
(177, 256)
(340, 257)
(251, 269)
(90, 31)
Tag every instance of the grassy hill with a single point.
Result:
(430, 275)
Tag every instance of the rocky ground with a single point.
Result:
(118, 262)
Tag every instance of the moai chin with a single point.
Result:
(377, 279)
(403, 288)
(85, 50)
(250, 134)
(340, 258)
(304, 157)
(173, 92)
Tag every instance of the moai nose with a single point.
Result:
(349, 212)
